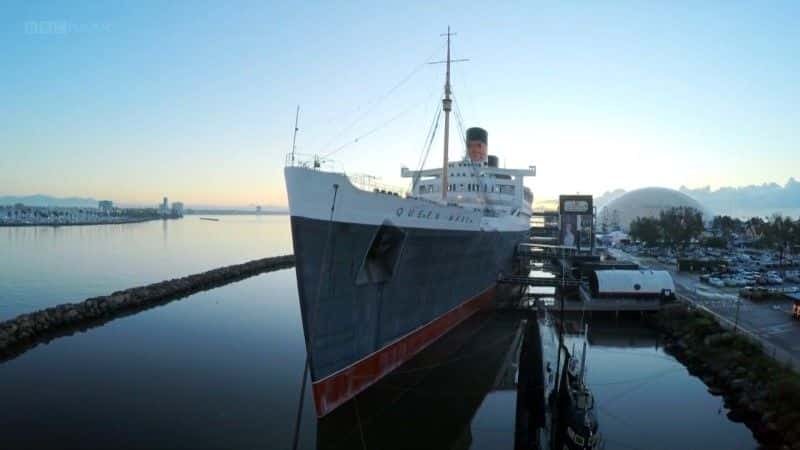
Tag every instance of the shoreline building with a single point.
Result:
(177, 209)
(105, 206)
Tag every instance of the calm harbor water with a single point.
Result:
(222, 368)
(45, 266)
(647, 400)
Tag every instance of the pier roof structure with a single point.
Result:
(636, 283)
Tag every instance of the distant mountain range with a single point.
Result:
(46, 200)
(754, 200)
(731, 200)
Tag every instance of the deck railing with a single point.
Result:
(374, 184)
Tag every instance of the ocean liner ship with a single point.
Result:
(381, 275)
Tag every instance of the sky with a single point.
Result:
(196, 100)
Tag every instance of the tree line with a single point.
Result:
(774, 232)
(681, 225)
(673, 227)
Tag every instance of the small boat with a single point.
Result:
(212, 219)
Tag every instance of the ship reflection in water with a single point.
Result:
(490, 384)
(435, 399)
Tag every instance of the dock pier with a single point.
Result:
(570, 267)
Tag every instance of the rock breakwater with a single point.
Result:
(28, 330)
(758, 391)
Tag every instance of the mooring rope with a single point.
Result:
(300, 406)
(360, 428)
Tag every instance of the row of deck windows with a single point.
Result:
(470, 187)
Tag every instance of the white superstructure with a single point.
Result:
(490, 200)
(478, 186)
(470, 194)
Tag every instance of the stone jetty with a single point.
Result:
(757, 390)
(28, 330)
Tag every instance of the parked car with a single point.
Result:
(774, 279)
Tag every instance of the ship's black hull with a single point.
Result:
(373, 296)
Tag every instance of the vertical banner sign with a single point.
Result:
(577, 220)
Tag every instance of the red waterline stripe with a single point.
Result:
(336, 389)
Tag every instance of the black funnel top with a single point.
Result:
(477, 134)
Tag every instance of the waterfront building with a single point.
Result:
(177, 209)
(50, 215)
(105, 206)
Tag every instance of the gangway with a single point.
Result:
(538, 281)
(550, 250)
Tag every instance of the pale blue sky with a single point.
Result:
(195, 100)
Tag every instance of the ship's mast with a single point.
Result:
(447, 105)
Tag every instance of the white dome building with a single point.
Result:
(645, 202)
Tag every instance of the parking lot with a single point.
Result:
(767, 321)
